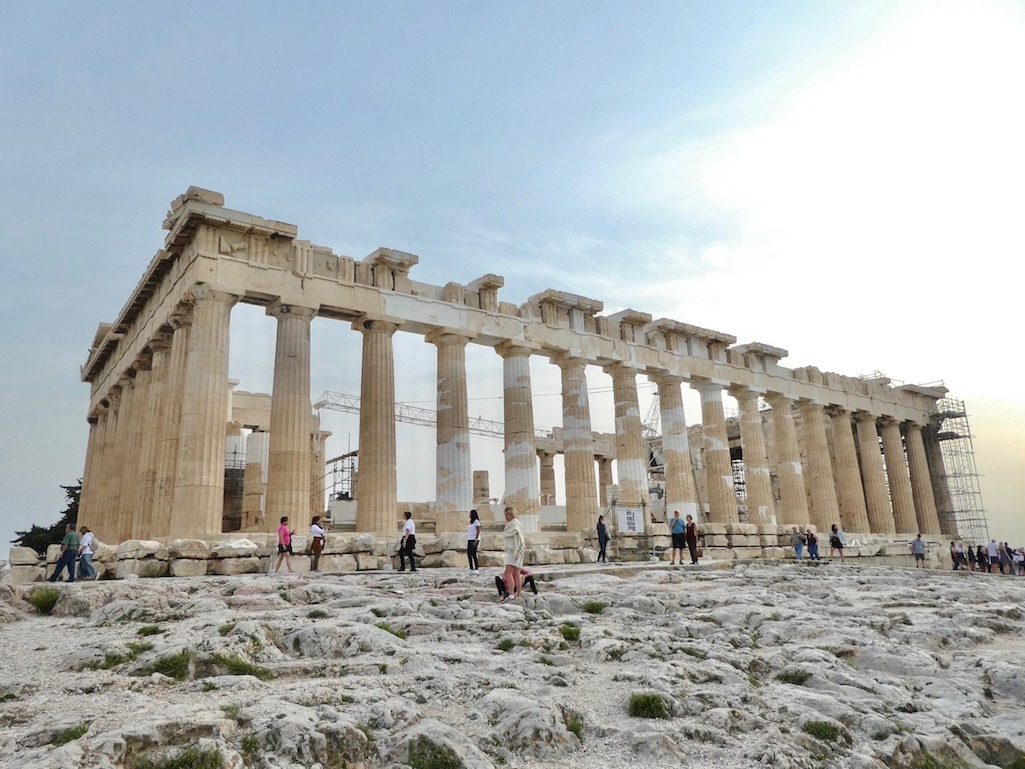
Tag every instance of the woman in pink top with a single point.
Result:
(284, 545)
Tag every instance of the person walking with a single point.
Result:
(472, 541)
(918, 551)
(982, 558)
(677, 529)
(514, 551)
(690, 537)
(284, 545)
(993, 550)
(797, 541)
(603, 539)
(69, 551)
(317, 537)
(955, 557)
(85, 554)
(813, 545)
(836, 542)
(408, 542)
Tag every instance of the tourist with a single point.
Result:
(813, 545)
(472, 541)
(85, 554)
(408, 542)
(603, 539)
(317, 537)
(836, 541)
(690, 536)
(918, 550)
(284, 545)
(798, 541)
(69, 551)
(503, 589)
(969, 553)
(994, 555)
(515, 548)
(1019, 561)
(955, 558)
(961, 556)
(982, 558)
(1005, 559)
(677, 529)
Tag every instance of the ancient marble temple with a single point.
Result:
(817, 448)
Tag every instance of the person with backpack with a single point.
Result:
(813, 545)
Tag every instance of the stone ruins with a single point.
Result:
(823, 449)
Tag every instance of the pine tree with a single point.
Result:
(38, 537)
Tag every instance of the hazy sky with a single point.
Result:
(843, 180)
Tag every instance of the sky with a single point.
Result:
(842, 180)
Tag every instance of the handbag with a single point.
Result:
(700, 552)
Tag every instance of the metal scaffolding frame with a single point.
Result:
(954, 436)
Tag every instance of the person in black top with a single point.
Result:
(603, 539)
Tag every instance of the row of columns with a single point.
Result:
(171, 481)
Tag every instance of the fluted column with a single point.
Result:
(376, 502)
(318, 481)
(88, 497)
(681, 490)
(921, 482)
(521, 476)
(760, 507)
(123, 497)
(793, 497)
(578, 447)
(825, 510)
(873, 475)
(722, 499)
(853, 513)
(108, 473)
(171, 417)
(288, 471)
(604, 480)
(149, 457)
(199, 491)
(454, 475)
(940, 486)
(547, 462)
(899, 479)
(630, 465)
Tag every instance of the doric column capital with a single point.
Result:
(180, 318)
(837, 411)
(665, 378)
(623, 368)
(201, 292)
(708, 386)
(279, 309)
(160, 342)
(864, 416)
(449, 336)
(368, 325)
(887, 421)
(776, 400)
(745, 394)
(569, 362)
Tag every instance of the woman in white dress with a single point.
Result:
(515, 548)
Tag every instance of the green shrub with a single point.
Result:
(318, 614)
(225, 629)
(239, 666)
(616, 653)
(44, 599)
(250, 745)
(822, 730)
(506, 644)
(570, 632)
(398, 633)
(796, 677)
(150, 630)
(648, 705)
(594, 607)
(172, 665)
(190, 758)
(425, 754)
(70, 734)
(575, 723)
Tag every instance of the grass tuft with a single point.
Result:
(648, 705)
(44, 599)
(796, 677)
(68, 735)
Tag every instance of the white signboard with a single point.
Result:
(630, 520)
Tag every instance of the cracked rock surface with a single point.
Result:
(784, 665)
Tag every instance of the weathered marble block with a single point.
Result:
(237, 565)
(20, 575)
(337, 562)
(188, 548)
(443, 542)
(367, 561)
(716, 540)
(23, 556)
(566, 541)
(142, 567)
(141, 548)
(446, 558)
(747, 553)
(234, 548)
(712, 528)
(188, 567)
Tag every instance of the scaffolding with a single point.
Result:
(954, 438)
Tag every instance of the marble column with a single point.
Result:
(170, 429)
(123, 498)
(144, 519)
(940, 486)
(318, 472)
(630, 459)
(873, 475)
(454, 474)
(291, 414)
(760, 507)
(921, 482)
(522, 491)
(578, 447)
(853, 513)
(548, 489)
(604, 481)
(793, 497)
(825, 510)
(681, 490)
(376, 491)
(108, 472)
(899, 479)
(722, 499)
(87, 512)
(199, 491)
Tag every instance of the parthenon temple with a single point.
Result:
(817, 448)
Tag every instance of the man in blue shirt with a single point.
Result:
(678, 529)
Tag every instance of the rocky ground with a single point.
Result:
(785, 665)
